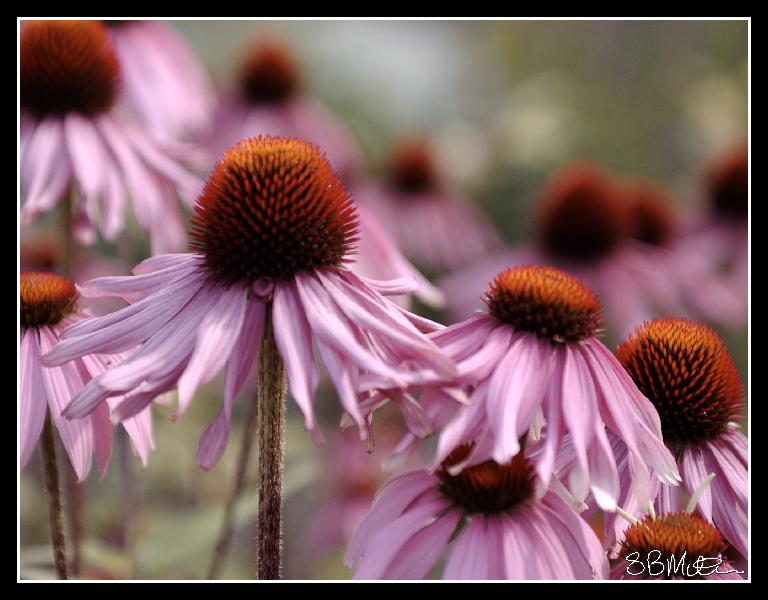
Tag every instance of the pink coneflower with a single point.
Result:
(535, 356)
(74, 139)
(272, 234)
(685, 370)
(649, 547)
(502, 530)
(163, 83)
(267, 99)
(48, 305)
(435, 227)
(589, 225)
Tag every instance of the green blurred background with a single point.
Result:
(505, 103)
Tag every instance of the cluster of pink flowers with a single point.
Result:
(538, 424)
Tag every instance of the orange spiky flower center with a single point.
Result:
(685, 370)
(268, 75)
(651, 213)
(489, 487)
(672, 535)
(546, 301)
(412, 168)
(272, 207)
(67, 66)
(728, 184)
(46, 298)
(582, 216)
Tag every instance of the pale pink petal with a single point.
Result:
(241, 360)
(61, 385)
(390, 502)
(469, 558)
(515, 394)
(216, 336)
(416, 557)
(293, 337)
(102, 437)
(385, 546)
(32, 396)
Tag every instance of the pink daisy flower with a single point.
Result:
(612, 236)
(685, 370)
(74, 138)
(649, 546)
(434, 226)
(499, 527)
(48, 305)
(533, 359)
(163, 83)
(272, 233)
(267, 99)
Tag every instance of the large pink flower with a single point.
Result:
(273, 230)
(622, 240)
(502, 530)
(685, 370)
(163, 83)
(48, 305)
(436, 227)
(533, 359)
(75, 140)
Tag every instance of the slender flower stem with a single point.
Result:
(225, 533)
(73, 504)
(67, 227)
(128, 498)
(51, 472)
(271, 396)
(72, 489)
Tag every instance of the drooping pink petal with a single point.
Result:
(216, 336)
(241, 361)
(515, 393)
(293, 337)
(102, 437)
(32, 396)
(628, 413)
(61, 385)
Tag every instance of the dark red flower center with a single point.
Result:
(489, 487)
(728, 184)
(412, 169)
(582, 215)
(546, 301)
(268, 75)
(46, 298)
(671, 535)
(270, 208)
(685, 370)
(67, 66)
(651, 213)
